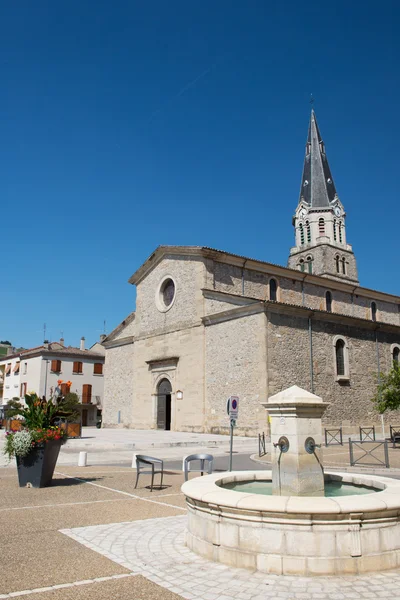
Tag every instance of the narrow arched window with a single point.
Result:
(301, 233)
(309, 262)
(334, 230)
(337, 259)
(340, 364)
(272, 289)
(340, 232)
(396, 354)
(321, 226)
(308, 231)
(344, 265)
(328, 301)
(302, 265)
(373, 311)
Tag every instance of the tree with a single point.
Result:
(68, 407)
(387, 395)
(13, 408)
(6, 342)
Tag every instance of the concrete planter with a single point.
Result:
(36, 470)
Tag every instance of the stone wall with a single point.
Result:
(236, 365)
(228, 279)
(185, 372)
(118, 386)
(189, 275)
(289, 364)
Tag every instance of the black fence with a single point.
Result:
(370, 450)
(261, 444)
(367, 434)
(334, 437)
(395, 434)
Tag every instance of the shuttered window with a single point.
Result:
(98, 368)
(340, 366)
(56, 366)
(77, 367)
(86, 393)
(65, 389)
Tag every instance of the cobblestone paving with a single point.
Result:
(155, 549)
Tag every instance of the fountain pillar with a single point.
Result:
(296, 442)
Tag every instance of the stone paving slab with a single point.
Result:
(155, 549)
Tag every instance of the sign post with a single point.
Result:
(232, 408)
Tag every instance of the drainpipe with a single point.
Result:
(379, 375)
(311, 354)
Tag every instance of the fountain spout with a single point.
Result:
(296, 436)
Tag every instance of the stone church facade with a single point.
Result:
(209, 324)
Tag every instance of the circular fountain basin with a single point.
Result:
(340, 534)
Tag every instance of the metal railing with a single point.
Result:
(334, 437)
(369, 453)
(395, 434)
(367, 434)
(261, 444)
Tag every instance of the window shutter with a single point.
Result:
(77, 367)
(98, 369)
(56, 366)
(86, 393)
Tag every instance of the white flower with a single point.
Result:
(22, 443)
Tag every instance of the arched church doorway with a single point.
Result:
(164, 391)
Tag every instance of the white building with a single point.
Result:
(47, 369)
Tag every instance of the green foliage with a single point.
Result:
(68, 407)
(41, 414)
(387, 396)
(13, 407)
(20, 443)
(38, 413)
(5, 342)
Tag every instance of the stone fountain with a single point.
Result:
(282, 521)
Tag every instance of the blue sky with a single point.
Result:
(125, 125)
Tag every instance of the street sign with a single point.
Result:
(232, 407)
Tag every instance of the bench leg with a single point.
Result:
(137, 479)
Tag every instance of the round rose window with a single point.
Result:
(167, 292)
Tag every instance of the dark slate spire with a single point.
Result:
(317, 187)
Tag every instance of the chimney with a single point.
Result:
(10, 350)
(62, 341)
(46, 344)
(102, 337)
(82, 346)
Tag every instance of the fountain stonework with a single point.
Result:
(296, 530)
(295, 417)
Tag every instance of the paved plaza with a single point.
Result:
(91, 535)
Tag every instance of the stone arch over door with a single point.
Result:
(164, 404)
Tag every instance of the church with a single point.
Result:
(209, 324)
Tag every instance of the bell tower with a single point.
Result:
(319, 221)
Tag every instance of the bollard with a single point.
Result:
(82, 461)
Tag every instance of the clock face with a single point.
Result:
(337, 211)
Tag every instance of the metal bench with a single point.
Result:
(203, 458)
(157, 468)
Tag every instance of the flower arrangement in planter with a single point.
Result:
(37, 444)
